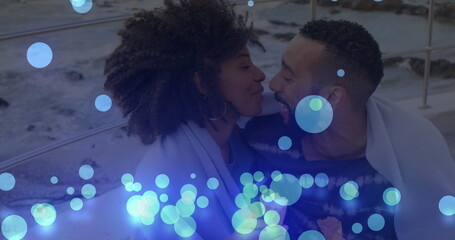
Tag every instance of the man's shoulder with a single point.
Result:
(263, 129)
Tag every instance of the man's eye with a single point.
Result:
(287, 79)
(246, 67)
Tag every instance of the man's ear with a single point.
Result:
(197, 79)
(336, 95)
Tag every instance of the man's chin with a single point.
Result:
(292, 129)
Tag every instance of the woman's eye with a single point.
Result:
(246, 67)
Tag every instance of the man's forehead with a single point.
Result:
(303, 50)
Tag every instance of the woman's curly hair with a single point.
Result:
(151, 73)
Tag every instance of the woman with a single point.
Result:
(184, 76)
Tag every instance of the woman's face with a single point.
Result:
(240, 83)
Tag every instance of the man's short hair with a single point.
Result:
(351, 48)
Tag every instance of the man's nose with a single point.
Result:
(274, 84)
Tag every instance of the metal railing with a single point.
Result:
(9, 163)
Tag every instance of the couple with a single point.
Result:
(184, 76)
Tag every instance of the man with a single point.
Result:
(379, 170)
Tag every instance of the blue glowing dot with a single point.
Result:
(88, 191)
(258, 176)
(321, 180)
(77, 3)
(310, 120)
(376, 222)
(202, 202)
(127, 178)
(357, 228)
(212, 183)
(242, 201)
(287, 190)
(162, 181)
(170, 214)
(14, 227)
(129, 187)
(274, 232)
(164, 197)
(284, 143)
(246, 178)
(137, 186)
(39, 55)
(185, 227)
(193, 175)
(70, 190)
(86, 172)
(378, 0)
(185, 209)
(271, 217)
(447, 205)
(188, 193)
(276, 175)
(311, 235)
(391, 196)
(148, 220)
(103, 103)
(149, 205)
(132, 205)
(340, 73)
(262, 188)
(250, 3)
(54, 180)
(349, 190)
(243, 221)
(87, 6)
(44, 214)
(76, 204)
(306, 181)
(250, 190)
(7, 181)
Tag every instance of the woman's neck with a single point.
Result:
(221, 134)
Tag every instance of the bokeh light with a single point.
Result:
(258, 176)
(243, 221)
(88, 191)
(149, 220)
(287, 190)
(44, 214)
(312, 119)
(162, 181)
(246, 178)
(127, 178)
(137, 186)
(70, 190)
(306, 180)
(202, 202)
(164, 197)
(357, 228)
(77, 3)
(241, 200)
(132, 205)
(321, 180)
(193, 176)
(447, 205)
(340, 73)
(349, 190)
(85, 8)
(103, 103)
(257, 209)
(14, 227)
(54, 180)
(185, 227)
(86, 172)
(276, 175)
(76, 204)
(170, 214)
(271, 217)
(284, 143)
(185, 209)
(250, 3)
(129, 187)
(391, 196)
(212, 183)
(274, 232)
(250, 190)
(7, 181)
(376, 222)
(149, 204)
(188, 193)
(311, 235)
(39, 55)
(268, 195)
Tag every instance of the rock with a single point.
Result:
(3, 103)
(440, 68)
(74, 76)
(392, 62)
(445, 11)
(276, 22)
(284, 36)
(417, 65)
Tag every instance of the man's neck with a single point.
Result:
(346, 138)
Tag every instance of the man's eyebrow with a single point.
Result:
(285, 65)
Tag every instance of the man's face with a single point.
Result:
(293, 82)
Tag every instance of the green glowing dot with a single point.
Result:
(250, 190)
(70, 190)
(447, 205)
(357, 228)
(170, 214)
(88, 191)
(127, 179)
(162, 181)
(246, 178)
(185, 227)
(391, 196)
(306, 181)
(274, 232)
(271, 217)
(212, 183)
(164, 197)
(349, 190)
(44, 214)
(132, 205)
(287, 190)
(76, 204)
(148, 220)
(316, 104)
(311, 235)
(202, 202)
(258, 176)
(262, 188)
(193, 176)
(243, 221)
(276, 175)
(137, 186)
(188, 193)
(184, 208)
(129, 187)
(7, 182)
(14, 227)
(54, 180)
(257, 209)
(149, 204)
(86, 172)
(268, 195)
(241, 200)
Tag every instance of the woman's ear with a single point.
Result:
(336, 95)
(197, 79)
